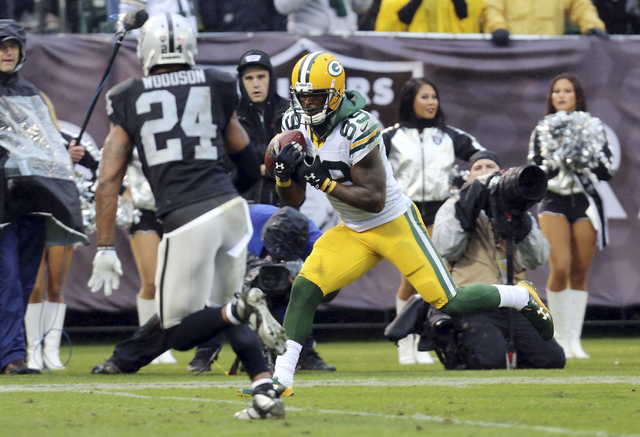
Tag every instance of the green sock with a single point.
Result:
(472, 298)
(303, 303)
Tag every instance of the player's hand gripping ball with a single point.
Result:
(277, 143)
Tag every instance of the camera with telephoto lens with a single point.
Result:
(275, 279)
(518, 189)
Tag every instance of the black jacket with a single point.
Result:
(261, 128)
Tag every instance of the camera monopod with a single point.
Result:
(132, 20)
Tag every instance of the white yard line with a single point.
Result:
(335, 382)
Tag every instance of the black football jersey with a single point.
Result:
(177, 122)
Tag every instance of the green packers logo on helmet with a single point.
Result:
(335, 68)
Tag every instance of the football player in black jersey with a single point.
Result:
(183, 121)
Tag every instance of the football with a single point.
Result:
(278, 141)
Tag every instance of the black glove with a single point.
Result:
(318, 177)
(473, 198)
(598, 32)
(287, 161)
(500, 37)
(515, 226)
(408, 11)
(461, 8)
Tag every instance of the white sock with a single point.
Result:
(146, 309)
(400, 304)
(261, 381)
(513, 296)
(230, 316)
(286, 363)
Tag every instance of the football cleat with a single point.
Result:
(280, 390)
(251, 307)
(537, 313)
(310, 360)
(267, 404)
(106, 368)
(204, 357)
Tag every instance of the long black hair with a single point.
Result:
(407, 97)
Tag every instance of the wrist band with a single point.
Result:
(332, 185)
(283, 184)
(106, 247)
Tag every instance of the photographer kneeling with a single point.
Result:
(470, 232)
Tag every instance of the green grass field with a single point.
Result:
(369, 395)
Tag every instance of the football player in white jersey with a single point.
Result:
(345, 159)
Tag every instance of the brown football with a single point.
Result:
(279, 141)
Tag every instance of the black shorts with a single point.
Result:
(572, 207)
(148, 223)
(428, 211)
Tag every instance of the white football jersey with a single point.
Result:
(350, 141)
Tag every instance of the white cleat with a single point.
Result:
(251, 308)
(263, 407)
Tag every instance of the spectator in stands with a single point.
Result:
(542, 17)
(154, 7)
(448, 16)
(241, 16)
(422, 150)
(322, 16)
(620, 16)
(470, 238)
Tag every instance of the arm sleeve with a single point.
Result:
(493, 16)
(361, 6)
(388, 20)
(583, 14)
(534, 250)
(285, 7)
(604, 171)
(387, 136)
(447, 236)
(464, 145)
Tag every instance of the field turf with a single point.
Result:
(370, 395)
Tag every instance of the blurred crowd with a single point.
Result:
(500, 18)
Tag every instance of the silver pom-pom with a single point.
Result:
(127, 214)
(574, 141)
(87, 202)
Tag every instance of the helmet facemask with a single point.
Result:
(314, 114)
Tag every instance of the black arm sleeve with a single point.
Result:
(248, 166)
(408, 11)
(464, 145)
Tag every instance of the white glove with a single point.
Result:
(107, 270)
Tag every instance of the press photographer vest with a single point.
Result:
(484, 258)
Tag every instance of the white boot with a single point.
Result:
(422, 357)
(33, 328)
(406, 345)
(146, 310)
(575, 318)
(559, 306)
(53, 323)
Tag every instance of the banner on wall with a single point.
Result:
(497, 95)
